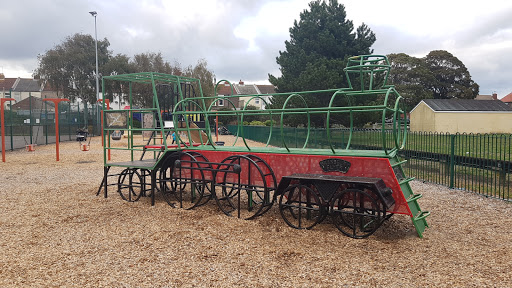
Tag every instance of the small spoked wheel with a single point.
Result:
(301, 207)
(129, 184)
(357, 213)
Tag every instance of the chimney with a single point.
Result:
(241, 82)
(495, 96)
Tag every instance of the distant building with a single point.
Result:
(507, 99)
(494, 96)
(23, 88)
(240, 89)
(461, 116)
(5, 86)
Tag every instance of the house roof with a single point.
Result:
(466, 105)
(484, 97)
(225, 89)
(266, 89)
(26, 85)
(507, 99)
(247, 89)
(7, 83)
(243, 89)
(37, 104)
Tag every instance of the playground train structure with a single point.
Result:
(358, 189)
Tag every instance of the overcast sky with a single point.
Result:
(240, 39)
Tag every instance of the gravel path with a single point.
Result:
(56, 233)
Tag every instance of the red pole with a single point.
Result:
(56, 101)
(108, 108)
(3, 124)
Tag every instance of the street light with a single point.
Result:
(93, 13)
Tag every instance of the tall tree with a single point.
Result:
(119, 64)
(411, 77)
(439, 75)
(70, 67)
(320, 42)
(453, 78)
(206, 77)
(150, 62)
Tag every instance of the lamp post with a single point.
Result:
(93, 13)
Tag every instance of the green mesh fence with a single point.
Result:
(35, 124)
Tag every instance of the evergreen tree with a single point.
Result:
(320, 42)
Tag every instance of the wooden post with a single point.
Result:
(56, 101)
(2, 101)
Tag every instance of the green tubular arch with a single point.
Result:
(217, 98)
(328, 128)
(282, 120)
(383, 126)
(220, 81)
(396, 128)
(242, 118)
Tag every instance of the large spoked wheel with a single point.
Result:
(247, 193)
(129, 185)
(301, 207)
(357, 213)
(188, 185)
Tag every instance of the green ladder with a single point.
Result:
(418, 217)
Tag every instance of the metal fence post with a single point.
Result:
(452, 161)
(10, 119)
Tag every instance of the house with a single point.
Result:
(240, 89)
(461, 116)
(507, 99)
(33, 103)
(48, 91)
(23, 88)
(35, 107)
(5, 86)
(494, 96)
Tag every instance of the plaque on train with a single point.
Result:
(334, 165)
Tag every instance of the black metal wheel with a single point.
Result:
(164, 177)
(188, 185)
(145, 175)
(247, 194)
(129, 184)
(357, 213)
(301, 207)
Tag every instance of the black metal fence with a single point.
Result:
(480, 163)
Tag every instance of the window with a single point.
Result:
(220, 102)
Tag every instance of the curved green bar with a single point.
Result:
(367, 77)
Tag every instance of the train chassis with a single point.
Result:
(245, 186)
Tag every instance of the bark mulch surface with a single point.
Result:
(55, 232)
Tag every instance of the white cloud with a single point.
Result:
(240, 39)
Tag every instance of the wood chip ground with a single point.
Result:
(55, 232)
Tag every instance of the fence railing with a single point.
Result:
(480, 163)
(37, 125)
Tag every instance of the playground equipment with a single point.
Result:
(81, 136)
(357, 189)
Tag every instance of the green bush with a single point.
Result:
(256, 123)
(270, 123)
